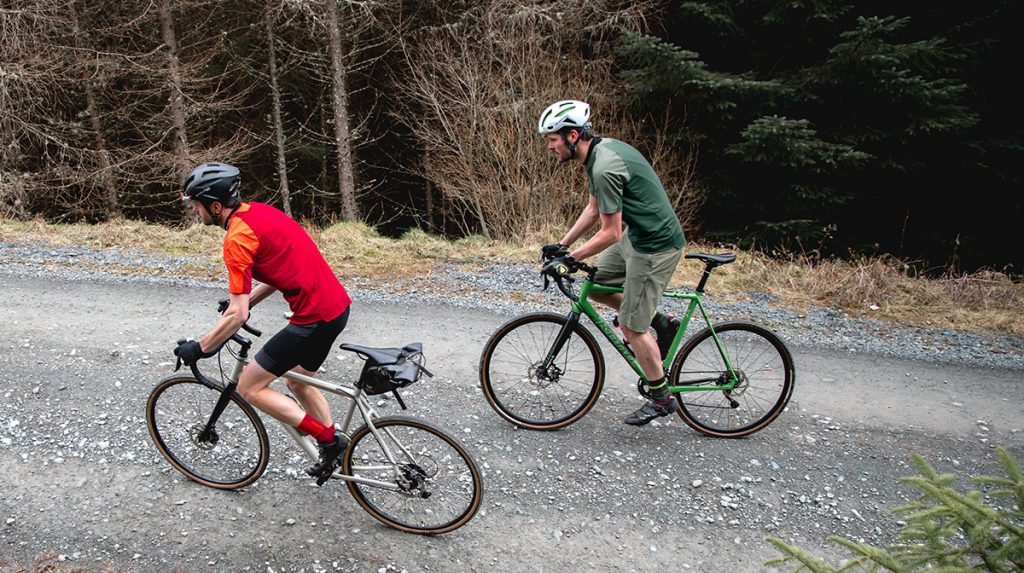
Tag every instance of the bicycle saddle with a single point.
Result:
(384, 356)
(714, 260)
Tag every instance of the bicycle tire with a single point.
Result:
(177, 411)
(764, 365)
(440, 487)
(518, 392)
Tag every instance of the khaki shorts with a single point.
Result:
(643, 276)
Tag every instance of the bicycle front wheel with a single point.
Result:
(432, 486)
(525, 392)
(762, 365)
(229, 454)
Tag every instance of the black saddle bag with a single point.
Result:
(398, 369)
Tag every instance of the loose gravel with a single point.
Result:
(511, 289)
(598, 496)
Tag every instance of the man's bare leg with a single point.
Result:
(312, 399)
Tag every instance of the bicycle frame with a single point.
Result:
(357, 401)
(581, 305)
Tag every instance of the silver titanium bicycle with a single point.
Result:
(403, 471)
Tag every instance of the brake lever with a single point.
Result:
(177, 365)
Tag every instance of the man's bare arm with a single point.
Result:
(260, 292)
(609, 234)
(232, 319)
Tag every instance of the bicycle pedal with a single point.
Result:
(325, 475)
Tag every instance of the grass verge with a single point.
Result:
(880, 287)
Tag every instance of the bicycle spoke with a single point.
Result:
(231, 455)
(761, 368)
(520, 387)
(432, 486)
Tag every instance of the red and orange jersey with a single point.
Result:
(265, 244)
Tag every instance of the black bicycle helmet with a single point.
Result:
(211, 182)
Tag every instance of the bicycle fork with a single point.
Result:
(208, 435)
(548, 365)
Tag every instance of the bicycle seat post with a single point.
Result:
(704, 277)
(710, 262)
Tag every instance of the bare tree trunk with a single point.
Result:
(346, 183)
(106, 176)
(176, 98)
(430, 207)
(481, 215)
(275, 91)
(325, 167)
(429, 204)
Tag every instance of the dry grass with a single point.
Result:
(878, 287)
(883, 287)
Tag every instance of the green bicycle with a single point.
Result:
(545, 371)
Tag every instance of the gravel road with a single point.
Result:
(89, 333)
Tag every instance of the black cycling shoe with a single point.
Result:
(650, 411)
(328, 457)
(666, 334)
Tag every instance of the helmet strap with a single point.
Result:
(214, 216)
(570, 146)
(206, 206)
(228, 218)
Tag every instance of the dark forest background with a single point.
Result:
(834, 129)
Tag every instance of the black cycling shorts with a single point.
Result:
(306, 345)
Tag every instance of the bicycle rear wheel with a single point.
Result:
(766, 376)
(434, 484)
(522, 391)
(232, 454)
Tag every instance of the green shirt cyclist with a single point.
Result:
(624, 190)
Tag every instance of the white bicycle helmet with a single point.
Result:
(565, 113)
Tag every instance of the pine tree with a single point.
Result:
(945, 530)
(809, 118)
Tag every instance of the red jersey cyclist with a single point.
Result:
(265, 244)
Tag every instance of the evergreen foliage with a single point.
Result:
(945, 531)
(835, 126)
(821, 126)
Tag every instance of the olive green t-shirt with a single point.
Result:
(622, 180)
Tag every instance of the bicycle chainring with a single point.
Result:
(644, 389)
